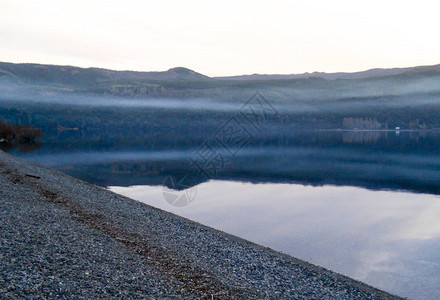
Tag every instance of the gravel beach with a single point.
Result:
(64, 238)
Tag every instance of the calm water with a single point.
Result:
(387, 239)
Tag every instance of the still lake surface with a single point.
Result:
(387, 239)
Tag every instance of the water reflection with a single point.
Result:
(335, 164)
(23, 148)
(387, 239)
(363, 137)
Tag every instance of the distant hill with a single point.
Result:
(75, 75)
(44, 80)
(340, 75)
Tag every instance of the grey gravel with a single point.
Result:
(64, 238)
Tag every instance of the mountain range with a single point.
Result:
(76, 75)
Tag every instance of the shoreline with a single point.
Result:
(58, 229)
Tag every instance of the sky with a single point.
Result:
(221, 38)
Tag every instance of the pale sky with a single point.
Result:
(224, 37)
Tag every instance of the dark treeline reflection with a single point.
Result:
(393, 160)
(24, 138)
(22, 148)
(114, 146)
